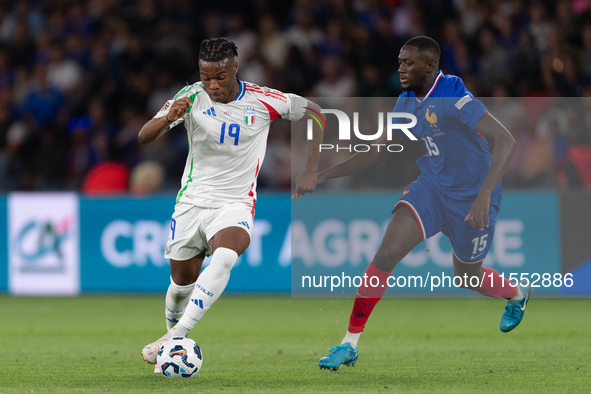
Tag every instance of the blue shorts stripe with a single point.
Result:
(437, 212)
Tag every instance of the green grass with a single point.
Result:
(272, 344)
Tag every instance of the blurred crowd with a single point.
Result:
(79, 78)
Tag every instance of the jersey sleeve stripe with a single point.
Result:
(256, 173)
(182, 91)
(277, 92)
(269, 94)
(272, 112)
(251, 193)
(189, 178)
(192, 98)
(254, 89)
(277, 96)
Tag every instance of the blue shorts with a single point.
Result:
(436, 212)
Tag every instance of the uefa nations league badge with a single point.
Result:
(249, 116)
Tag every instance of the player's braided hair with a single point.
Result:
(425, 44)
(217, 49)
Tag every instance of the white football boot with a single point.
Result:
(151, 351)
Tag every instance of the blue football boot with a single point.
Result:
(342, 354)
(514, 310)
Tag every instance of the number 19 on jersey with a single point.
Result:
(233, 132)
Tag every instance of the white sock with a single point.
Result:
(519, 295)
(351, 338)
(177, 298)
(209, 287)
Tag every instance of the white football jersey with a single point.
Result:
(227, 142)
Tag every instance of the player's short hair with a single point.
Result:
(425, 44)
(217, 49)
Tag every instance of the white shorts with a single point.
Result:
(192, 227)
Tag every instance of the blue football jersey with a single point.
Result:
(457, 158)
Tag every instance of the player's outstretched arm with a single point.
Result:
(359, 161)
(306, 182)
(504, 145)
(156, 127)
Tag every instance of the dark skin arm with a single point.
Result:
(504, 145)
(155, 128)
(306, 182)
(360, 161)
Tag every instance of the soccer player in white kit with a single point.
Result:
(227, 122)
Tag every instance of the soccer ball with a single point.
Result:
(179, 357)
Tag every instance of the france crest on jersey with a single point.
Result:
(457, 158)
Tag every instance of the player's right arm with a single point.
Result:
(359, 161)
(362, 161)
(156, 127)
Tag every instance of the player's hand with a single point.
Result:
(321, 177)
(178, 109)
(479, 210)
(305, 183)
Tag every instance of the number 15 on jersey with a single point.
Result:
(233, 132)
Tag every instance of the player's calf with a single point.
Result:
(177, 298)
(494, 285)
(209, 287)
(483, 280)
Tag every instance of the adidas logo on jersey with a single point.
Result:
(245, 224)
(210, 111)
(197, 302)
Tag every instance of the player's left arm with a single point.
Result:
(504, 145)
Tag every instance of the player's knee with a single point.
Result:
(386, 258)
(182, 279)
(243, 246)
(224, 258)
(235, 239)
(243, 242)
(179, 292)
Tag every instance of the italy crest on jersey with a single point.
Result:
(249, 116)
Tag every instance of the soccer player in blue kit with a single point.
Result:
(457, 193)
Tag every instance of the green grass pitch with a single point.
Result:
(272, 344)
